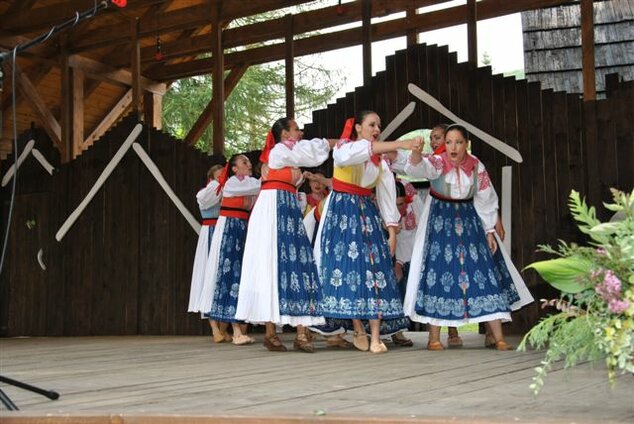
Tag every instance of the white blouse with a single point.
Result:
(306, 153)
(207, 196)
(237, 186)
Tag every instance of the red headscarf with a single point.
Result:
(440, 149)
(268, 145)
(222, 178)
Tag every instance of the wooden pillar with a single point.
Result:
(78, 112)
(290, 68)
(218, 82)
(367, 41)
(412, 34)
(66, 121)
(153, 109)
(136, 68)
(587, 50)
(472, 31)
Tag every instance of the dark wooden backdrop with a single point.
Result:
(125, 266)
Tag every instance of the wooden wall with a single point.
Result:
(125, 266)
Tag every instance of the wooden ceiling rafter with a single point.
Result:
(443, 18)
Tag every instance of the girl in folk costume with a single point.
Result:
(318, 189)
(208, 200)
(459, 271)
(279, 283)
(351, 251)
(222, 273)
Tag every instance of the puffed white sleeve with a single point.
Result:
(347, 153)
(485, 200)
(398, 165)
(306, 153)
(207, 196)
(386, 197)
(247, 186)
(430, 167)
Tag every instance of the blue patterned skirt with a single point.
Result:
(298, 288)
(229, 267)
(358, 281)
(460, 281)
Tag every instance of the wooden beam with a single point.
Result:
(218, 82)
(100, 71)
(135, 54)
(111, 117)
(206, 117)
(587, 50)
(153, 109)
(457, 15)
(472, 32)
(17, 6)
(179, 19)
(412, 35)
(78, 111)
(289, 65)
(66, 118)
(275, 28)
(48, 121)
(367, 41)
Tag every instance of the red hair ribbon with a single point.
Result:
(222, 179)
(346, 134)
(440, 149)
(268, 145)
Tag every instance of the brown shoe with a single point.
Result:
(402, 340)
(502, 345)
(221, 337)
(360, 341)
(489, 341)
(274, 344)
(378, 348)
(454, 341)
(302, 343)
(435, 345)
(338, 342)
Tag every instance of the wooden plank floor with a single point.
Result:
(191, 376)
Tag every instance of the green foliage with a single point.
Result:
(596, 310)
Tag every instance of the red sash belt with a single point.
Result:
(343, 187)
(279, 185)
(439, 196)
(210, 222)
(233, 207)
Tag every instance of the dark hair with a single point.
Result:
(400, 189)
(232, 162)
(458, 127)
(358, 119)
(278, 126)
(442, 127)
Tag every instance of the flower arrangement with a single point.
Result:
(595, 314)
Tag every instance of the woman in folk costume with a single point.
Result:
(208, 199)
(222, 273)
(279, 283)
(351, 251)
(459, 271)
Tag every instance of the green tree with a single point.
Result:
(486, 59)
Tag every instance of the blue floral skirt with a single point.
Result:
(298, 289)
(229, 267)
(460, 280)
(358, 280)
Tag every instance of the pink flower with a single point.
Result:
(610, 287)
(618, 306)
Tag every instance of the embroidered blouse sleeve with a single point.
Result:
(347, 153)
(485, 200)
(398, 166)
(386, 197)
(306, 153)
(247, 186)
(207, 196)
(430, 167)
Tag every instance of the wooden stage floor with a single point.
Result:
(146, 376)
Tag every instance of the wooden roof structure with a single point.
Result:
(82, 80)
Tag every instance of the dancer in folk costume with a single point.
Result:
(208, 199)
(222, 273)
(279, 283)
(459, 271)
(351, 251)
